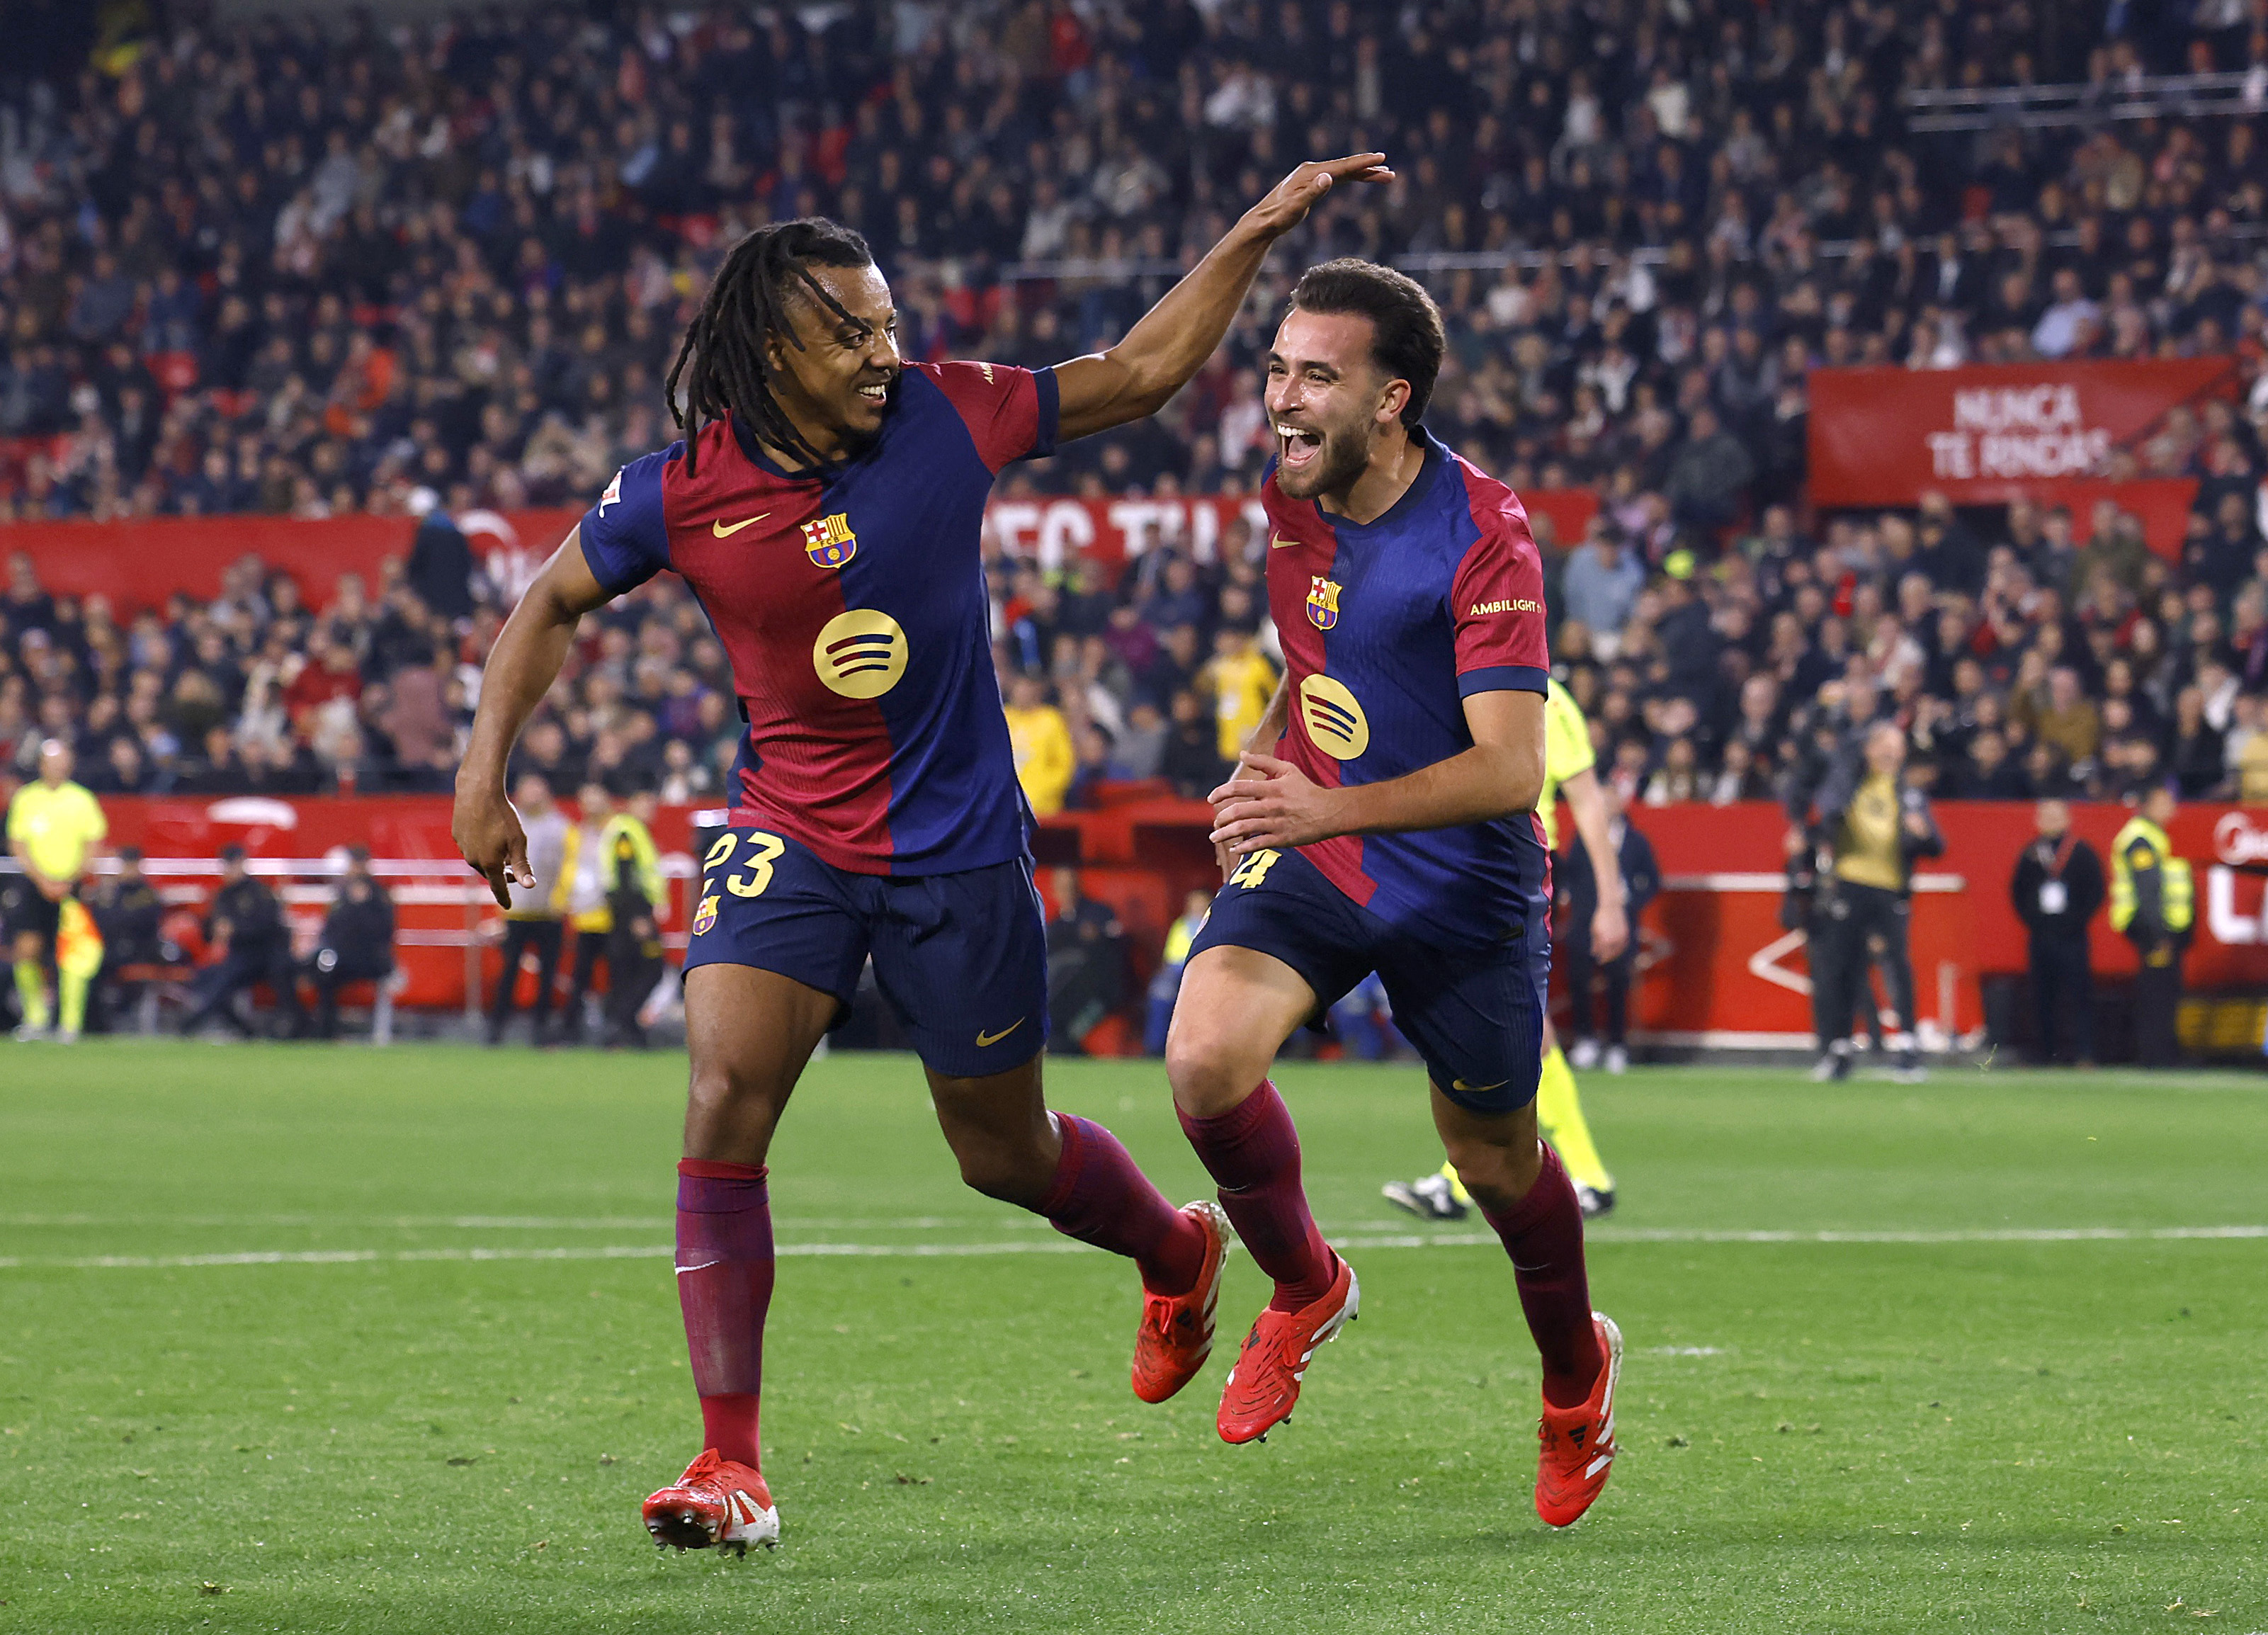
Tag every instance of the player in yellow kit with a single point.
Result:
(1568, 768)
(54, 826)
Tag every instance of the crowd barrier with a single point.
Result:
(1718, 969)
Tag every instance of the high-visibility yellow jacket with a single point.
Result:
(2148, 880)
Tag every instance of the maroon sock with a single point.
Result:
(723, 1285)
(1253, 1154)
(1100, 1196)
(1543, 1235)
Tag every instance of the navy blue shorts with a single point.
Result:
(1476, 1015)
(962, 959)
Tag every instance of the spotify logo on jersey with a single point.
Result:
(861, 653)
(1334, 718)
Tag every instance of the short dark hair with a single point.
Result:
(1406, 340)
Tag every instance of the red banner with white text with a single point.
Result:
(139, 564)
(1988, 433)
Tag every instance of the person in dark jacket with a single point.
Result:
(357, 941)
(2057, 889)
(131, 917)
(245, 923)
(1579, 890)
(440, 568)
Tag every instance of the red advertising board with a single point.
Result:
(140, 564)
(1988, 433)
(1716, 965)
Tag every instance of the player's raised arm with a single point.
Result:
(1158, 355)
(524, 661)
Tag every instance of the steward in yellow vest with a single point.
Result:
(2154, 906)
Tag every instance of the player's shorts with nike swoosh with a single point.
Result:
(1475, 1014)
(960, 959)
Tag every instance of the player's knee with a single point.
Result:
(1209, 1071)
(1002, 1171)
(1498, 1173)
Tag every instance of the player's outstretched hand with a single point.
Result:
(1289, 199)
(487, 832)
(1272, 804)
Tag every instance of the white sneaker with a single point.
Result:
(1618, 1059)
(1584, 1056)
(25, 1033)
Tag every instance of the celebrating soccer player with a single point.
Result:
(1385, 819)
(825, 508)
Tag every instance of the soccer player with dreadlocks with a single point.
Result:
(825, 508)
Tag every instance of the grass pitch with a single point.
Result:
(333, 1340)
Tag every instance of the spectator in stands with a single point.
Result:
(244, 928)
(1242, 681)
(356, 944)
(1041, 739)
(1601, 585)
(534, 923)
(636, 896)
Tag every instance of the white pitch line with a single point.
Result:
(1059, 1246)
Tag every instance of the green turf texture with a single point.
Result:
(1817, 1436)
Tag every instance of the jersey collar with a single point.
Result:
(1437, 461)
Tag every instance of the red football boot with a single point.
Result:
(717, 1502)
(1579, 1443)
(1176, 1333)
(1264, 1385)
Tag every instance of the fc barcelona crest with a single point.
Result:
(705, 915)
(828, 542)
(1322, 602)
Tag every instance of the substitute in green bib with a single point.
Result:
(2154, 906)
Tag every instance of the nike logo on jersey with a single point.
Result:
(984, 1039)
(722, 531)
(1278, 542)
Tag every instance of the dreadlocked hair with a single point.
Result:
(724, 362)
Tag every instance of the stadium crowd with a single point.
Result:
(267, 268)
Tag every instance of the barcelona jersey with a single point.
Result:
(1387, 628)
(851, 602)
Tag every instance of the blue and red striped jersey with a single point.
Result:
(1387, 628)
(852, 605)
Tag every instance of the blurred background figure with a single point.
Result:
(534, 923)
(245, 927)
(132, 919)
(2057, 890)
(55, 827)
(2154, 905)
(1364, 1020)
(1086, 965)
(1579, 890)
(1876, 825)
(1165, 983)
(635, 893)
(581, 897)
(356, 944)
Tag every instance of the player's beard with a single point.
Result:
(1345, 451)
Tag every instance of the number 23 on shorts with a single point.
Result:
(764, 850)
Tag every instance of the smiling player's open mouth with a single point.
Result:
(1299, 447)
